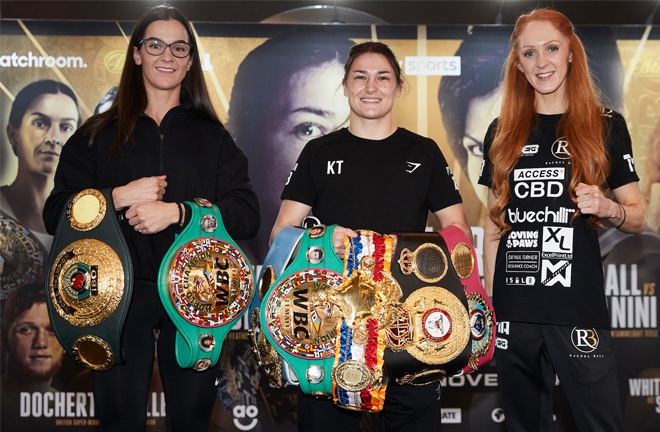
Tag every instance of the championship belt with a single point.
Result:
(296, 317)
(368, 300)
(205, 283)
(22, 256)
(90, 281)
(480, 308)
(430, 338)
(278, 258)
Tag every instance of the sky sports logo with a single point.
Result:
(433, 65)
(30, 60)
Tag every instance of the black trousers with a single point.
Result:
(407, 409)
(121, 393)
(530, 357)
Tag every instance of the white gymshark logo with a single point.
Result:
(413, 166)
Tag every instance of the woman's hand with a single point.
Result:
(142, 190)
(626, 214)
(152, 217)
(338, 239)
(592, 201)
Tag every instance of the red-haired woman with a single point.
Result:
(553, 159)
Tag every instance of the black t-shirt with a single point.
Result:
(548, 270)
(384, 185)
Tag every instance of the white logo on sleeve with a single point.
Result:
(631, 162)
(334, 167)
(288, 179)
(413, 166)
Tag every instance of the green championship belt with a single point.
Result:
(303, 330)
(90, 281)
(276, 261)
(205, 283)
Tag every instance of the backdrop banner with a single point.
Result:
(275, 86)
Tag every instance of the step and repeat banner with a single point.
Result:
(275, 87)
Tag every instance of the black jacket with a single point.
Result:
(199, 158)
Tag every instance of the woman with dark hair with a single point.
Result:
(285, 93)
(552, 160)
(42, 117)
(374, 175)
(158, 145)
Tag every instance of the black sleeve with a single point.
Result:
(300, 185)
(443, 190)
(486, 176)
(619, 146)
(235, 197)
(76, 171)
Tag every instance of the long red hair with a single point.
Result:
(581, 123)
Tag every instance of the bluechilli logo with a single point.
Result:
(585, 340)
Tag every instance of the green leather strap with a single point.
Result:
(296, 317)
(205, 284)
(90, 280)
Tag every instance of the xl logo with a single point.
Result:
(584, 340)
(560, 149)
(242, 411)
(557, 239)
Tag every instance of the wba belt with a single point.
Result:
(296, 317)
(205, 283)
(430, 338)
(90, 281)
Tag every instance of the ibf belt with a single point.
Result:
(206, 284)
(278, 258)
(480, 308)
(367, 299)
(296, 316)
(90, 281)
(430, 338)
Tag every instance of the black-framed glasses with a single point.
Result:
(156, 47)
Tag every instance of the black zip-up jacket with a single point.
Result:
(199, 158)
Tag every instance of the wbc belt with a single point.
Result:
(90, 281)
(431, 337)
(205, 283)
(296, 317)
(279, 255)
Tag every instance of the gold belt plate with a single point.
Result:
(86, 282)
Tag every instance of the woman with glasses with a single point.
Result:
(158, 145)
